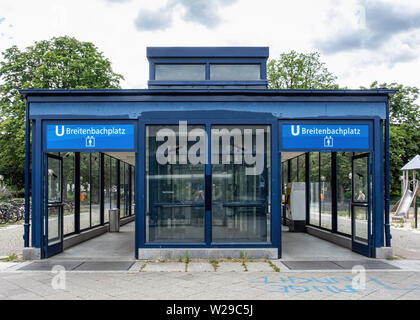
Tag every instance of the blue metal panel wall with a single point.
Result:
(291, 110)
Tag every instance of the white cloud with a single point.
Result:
(281, 25)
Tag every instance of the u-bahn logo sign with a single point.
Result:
(90, 137)
(325, 137)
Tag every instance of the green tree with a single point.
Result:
(404, 140)
(59, 63)
(295, 70)
(404, 132)
(402, 105)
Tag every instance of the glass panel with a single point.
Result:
(54, 196)
(241, 183)
(294, 170)
(302, 168)
(180, 72)
(122, 189)
(230, 72)
(113, 187)
(68, 192)
(133, 190)
(175, 183)
(344, 192)
(107, 187)
(314, 188)
(326, 194)
(127, 188)
(360, 224)
(84, 191)
(95, 191)
(54, 180)
(360, 180)
(54, 225)
(284, 173)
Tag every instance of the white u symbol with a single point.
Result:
(62, 131)
(297, 131)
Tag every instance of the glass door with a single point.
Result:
(53, 205)
(360, 206)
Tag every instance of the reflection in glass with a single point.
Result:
(314, 188)
(54, 197)
(241, 197)
(107, 186)
(175, 186)
(360, 224)
(344, 192)
(325, 188)
(84, 191)
(95, 194)
(68, 192)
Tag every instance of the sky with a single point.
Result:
(359, 40)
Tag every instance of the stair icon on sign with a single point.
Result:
(90, 141)
(328, 142)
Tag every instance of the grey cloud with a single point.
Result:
(149, 20)
(204, 12)
(383, 21)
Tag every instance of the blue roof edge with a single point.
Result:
(207, 52)
(297, 92)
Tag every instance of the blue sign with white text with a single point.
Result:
(91, 137)
(325, 137)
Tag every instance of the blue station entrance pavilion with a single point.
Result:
(209, 160)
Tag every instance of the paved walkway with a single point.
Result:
(229, 282)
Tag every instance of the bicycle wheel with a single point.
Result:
(3, 217)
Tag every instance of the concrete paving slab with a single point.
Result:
(137, 266)
(312, 265)
(279, 264)
(230, 267)
(6, 265)
(259, 267)
(367, 264)
(104, 266)
(200, 267)
(165, 267)
(49, 265)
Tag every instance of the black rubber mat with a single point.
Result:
(311, 265)
(105, 266)
(367, 264)
(49, 265)
(338, 265)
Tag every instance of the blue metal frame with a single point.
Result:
(50, 250)
(260, 106)
(193, 119)
(364, 249)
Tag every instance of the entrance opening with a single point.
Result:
(327, 195)
(81, 188)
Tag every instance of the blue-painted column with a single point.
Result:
(27, 176)
(140, 180)
(208, 237)
(378, 187)
(37, 185)
(276, 189)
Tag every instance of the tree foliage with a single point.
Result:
(404, 132)
(402, 105)
(295, 70)
(59, 63)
